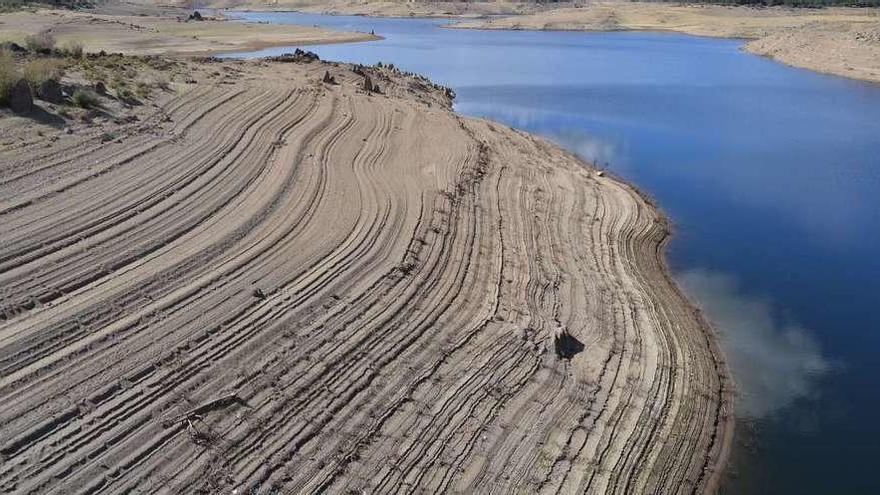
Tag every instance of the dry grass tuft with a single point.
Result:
(73, 49)
(40, 70)
(8, 75)
(42, 42)
(84, 98)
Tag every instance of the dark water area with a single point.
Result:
(771, 175)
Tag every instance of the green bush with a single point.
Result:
(8, 75)
(84, 98)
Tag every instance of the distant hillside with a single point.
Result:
(6, 5)
(787, 3)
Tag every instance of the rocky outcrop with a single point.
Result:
(21, 100)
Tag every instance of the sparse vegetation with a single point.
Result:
(787, 3)
(143, 89)
(120, 87)
(8, 75)
(85, 98)
(73, 49)
(40, 70)
(13, 5)
(42, 42)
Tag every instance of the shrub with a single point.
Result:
(143, 89)
(124, 94)
(42, 42)
(73, 49)
(8, 74)
(40, 70)
(84, 98)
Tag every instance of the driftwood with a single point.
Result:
(196, 412)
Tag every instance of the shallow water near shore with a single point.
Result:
(772, 177)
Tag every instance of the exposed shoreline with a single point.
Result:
(256, 242)
(164, 34)
(838, 41)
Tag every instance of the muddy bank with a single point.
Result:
(271, 277)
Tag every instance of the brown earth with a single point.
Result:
(161, 34)
(264, 281)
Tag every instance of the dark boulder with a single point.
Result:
(50, 91)
(196, 16)
(21, 100)
(368, 84)
(100, 88)
(565, 344)
(328, 78)
(12, 47)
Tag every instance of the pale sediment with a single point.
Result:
(163, 34)
(271, 282)
(839, 41)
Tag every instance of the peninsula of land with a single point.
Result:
(298, 276)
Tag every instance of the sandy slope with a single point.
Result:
(272, 282)
(161, 34)
(404, 9)
(386, 8)
(841, 41)
(844, 49)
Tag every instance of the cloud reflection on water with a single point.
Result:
(773, 362)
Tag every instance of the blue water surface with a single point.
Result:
(771, 175)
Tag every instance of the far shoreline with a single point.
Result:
(831, 40)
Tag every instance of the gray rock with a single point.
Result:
(50, 91)
(12, 47)
(21, 100)
(565, 344)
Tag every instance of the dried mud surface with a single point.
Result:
(267, 282)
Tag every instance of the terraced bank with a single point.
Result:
(268, 282)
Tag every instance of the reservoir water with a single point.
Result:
(771, 175)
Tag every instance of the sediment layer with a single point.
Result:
(275, 283)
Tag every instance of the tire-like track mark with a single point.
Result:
(354, 293)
